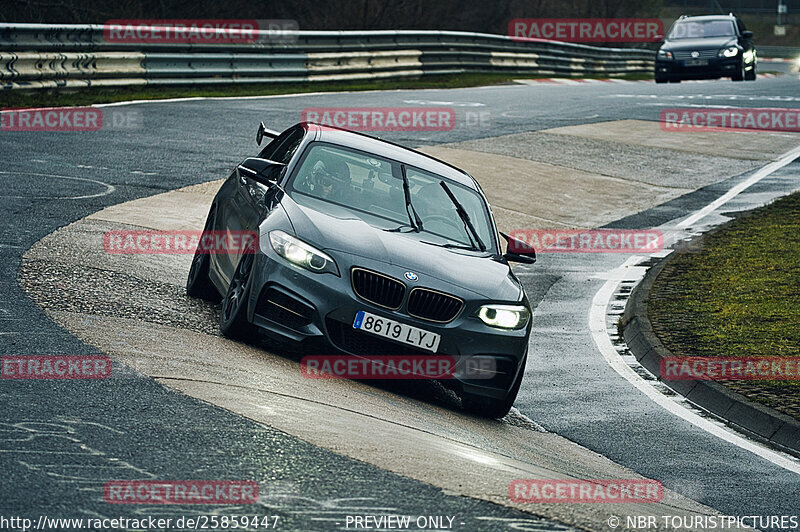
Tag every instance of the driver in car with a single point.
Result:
(431, 201)
(330, 179)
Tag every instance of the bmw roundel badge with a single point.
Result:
(411, 276)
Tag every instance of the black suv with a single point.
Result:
(707, 47)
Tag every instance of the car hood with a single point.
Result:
(699, 44)
(483, 276)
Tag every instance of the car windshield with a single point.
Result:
(700, 29)
(344, 182)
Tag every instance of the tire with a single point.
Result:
(661, 80)
(233, 316)
(494, 408)
(750, 75)
(739, 76)
(198, 283)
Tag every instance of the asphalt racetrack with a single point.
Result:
(185, 403)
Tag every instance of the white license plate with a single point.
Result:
(399, 332)
(695, 62)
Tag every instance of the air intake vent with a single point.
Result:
(377, 288)
(282, 308)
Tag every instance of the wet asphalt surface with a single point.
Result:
(61, 441)
(572, 391)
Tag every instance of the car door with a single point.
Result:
(250, 200)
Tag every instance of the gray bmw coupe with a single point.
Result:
(367, 248)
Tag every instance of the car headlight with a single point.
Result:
(748, 56)
(730, 51)
(504, 316)
(301, 254)
(663, 54)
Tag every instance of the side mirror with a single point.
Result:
(747, 34)
(261, 170)
(264, 132)
(519, 251)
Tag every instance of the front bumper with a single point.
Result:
(718, 67)
(289, 303)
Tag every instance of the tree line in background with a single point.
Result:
(464, 15)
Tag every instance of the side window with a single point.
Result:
(283, 148)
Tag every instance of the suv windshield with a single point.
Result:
(344, 182)
(695, 29)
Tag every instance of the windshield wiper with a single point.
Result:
(452, 245)
(462, 213)
(399, 229)
(415, 220)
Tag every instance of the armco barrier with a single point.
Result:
(53, 56)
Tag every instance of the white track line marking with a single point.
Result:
(735, 191)
(597, 325)
(252, 97)
(108, 188)
(601, 338)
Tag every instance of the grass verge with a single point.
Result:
(736, 293)
(90, 95)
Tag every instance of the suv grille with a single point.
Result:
(704, 54)
(377, 288)
(433, 306)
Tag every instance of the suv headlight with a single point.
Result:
(663, 54)
(301, 254)
(504, 316)
(730, 51)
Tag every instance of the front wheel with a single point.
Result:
(198, 284)
(494, 408)
(750, 75)
(233, 316)
(739, 76)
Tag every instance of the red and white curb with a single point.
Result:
(578, 81)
